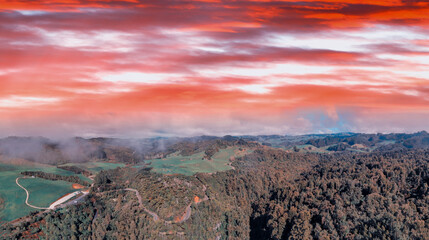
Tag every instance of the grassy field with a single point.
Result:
(189, 165)
(42, 192)
(96, 167)
(310, 148)
(99, 166)
(14, 196)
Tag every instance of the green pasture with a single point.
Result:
(189, 165)
(42, 192)
(96, 167)
(310, 148)
(275, 142)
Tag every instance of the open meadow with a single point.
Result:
(42, 192)
(189, 165)
(96, 167)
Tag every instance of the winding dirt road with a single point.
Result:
(186, 215)
(139, 197)
(28, 195)
(188, 210)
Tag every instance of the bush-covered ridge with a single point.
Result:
(271, 194)
(76, 170)
(56, 177)
(377, 196)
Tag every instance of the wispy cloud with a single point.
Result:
(213, 67)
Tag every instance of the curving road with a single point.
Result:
(28, 196)
(186, 213)
(139, 197)
(188, 210)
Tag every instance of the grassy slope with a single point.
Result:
(42, 192)
(15, 197)
(96, 166)
(189, 165)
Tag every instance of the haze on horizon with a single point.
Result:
(184, 68)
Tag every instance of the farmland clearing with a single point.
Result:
(42, 192)
(189, 165)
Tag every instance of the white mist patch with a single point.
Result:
(256, 88)
(270, 75)
(99, 91)
(265, 71)
(138, 77)
(26, 101)
(384, 33)
(209, 49)
(106, 41)
(32, 12)
(339, 42)
(7, 71)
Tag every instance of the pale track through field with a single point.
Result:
(28, 196)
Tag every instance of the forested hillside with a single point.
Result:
(80, 150)
(376, 196)
(270, 193)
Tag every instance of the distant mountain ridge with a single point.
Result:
(349, 141)
(44, 150)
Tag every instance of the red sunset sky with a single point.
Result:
(180, 68)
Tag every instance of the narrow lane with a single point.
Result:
(139, 197)
(28, 196)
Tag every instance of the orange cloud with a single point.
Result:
(165, 66)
